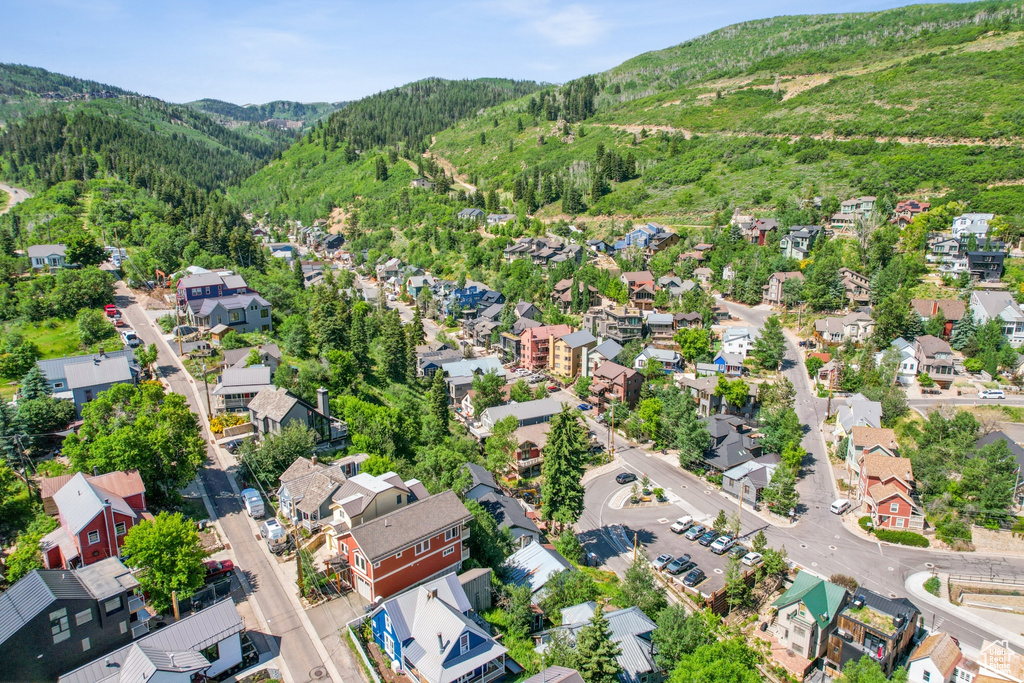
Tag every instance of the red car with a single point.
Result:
(218, 568)
(552, 387)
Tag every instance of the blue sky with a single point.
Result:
(315, 50)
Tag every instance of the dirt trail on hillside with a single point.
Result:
(461, 179)
(903, 140)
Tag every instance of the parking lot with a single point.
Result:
(650, 525)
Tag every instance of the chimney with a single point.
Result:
(432, 593)
(313, 458)
(95, 470)
(323, 402)
(440, 644)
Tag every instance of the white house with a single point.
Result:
(967, 224)
(50, 256)
(907, 370)
(739, 340)
(671, 361)
(987, 306)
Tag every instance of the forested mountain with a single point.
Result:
(18, 80)
(306, 112)
(139, 140)
(410, 114)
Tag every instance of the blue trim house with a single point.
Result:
(729, 363)
(640, 236)
(429, 632)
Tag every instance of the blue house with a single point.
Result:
(210, 285)
(641, 236)
(470, 297)
(428, 630)
(729, 363)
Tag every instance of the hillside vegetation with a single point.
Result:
(306, 112)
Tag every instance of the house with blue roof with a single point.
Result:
(429, 631)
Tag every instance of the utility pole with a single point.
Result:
(831, 378)
(611, 436)
(298, 559)
(739, 513)
(206, 383)
(174, 604)
(636, 543)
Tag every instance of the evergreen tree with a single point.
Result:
(439, 401)
(963, 331)
(381, 169)
(770, 347)
(519, 124)
(393, 347)
(34, 385)
(562, 468)
(596, 653)
(297, 276)
(689, 434)
(411, 342)
(641, 588)
(780, 495)
(915, 326)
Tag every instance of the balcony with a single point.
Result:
(465, 532)
(465, 552)
(139, 629)
(135, 603)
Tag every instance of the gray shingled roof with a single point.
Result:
(193, 633)
(507, 512)
(273, 402)
(234, 302)
(101, 371)
(384, 536)
(479, 475)
(234, 356)
(609, 349)
(43, 250)
(579, 338)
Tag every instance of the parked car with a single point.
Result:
(662, 561)
(722, 544)
(597, 448)
(678, 565)
(840, 506)
(752, 559)
(681, 524)
(738, 551)
(992, 393)
(218, 568)
(625, 477)
(694, 577)
(552, 387)
(131, 339)
(522, 372)
(708, 538)
(584, 406)
(694, 532)
(253, 503)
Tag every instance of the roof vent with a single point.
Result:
(440, 644)
(858, 601)
(386, 523)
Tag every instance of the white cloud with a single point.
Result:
(564, 25)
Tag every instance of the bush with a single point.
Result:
(864, 522)
(932, 585)
(902, 538)
(847, 582)
(218, 423)
(952, 530)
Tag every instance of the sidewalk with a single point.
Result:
(915, 586)
(224, 464)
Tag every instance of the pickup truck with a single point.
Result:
(131, 339)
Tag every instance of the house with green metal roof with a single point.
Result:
(807, 614)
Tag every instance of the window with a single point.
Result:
(899, 522)
(451, 533)
(398, 555)
(398, 499)
(234, 316)
(360, 562)
(58, 385)
(211, 653)
(927, 676)
(376, 565)
(119, 528)
(264, 313)
(85, 644)
(448, 551)
(422, 547)
(124, 627)
(894, 507)
(112, 605)
(463, 643)
(389, 646)
(59, 625)
(197, 291)
(207, 291)
(94, 537)
(83, 617)
(387, 623)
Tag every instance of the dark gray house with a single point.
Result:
(54, 620)
(240, 312)
(273, 408)
(81, 378)
(732, 442)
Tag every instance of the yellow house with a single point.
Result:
(565, 358)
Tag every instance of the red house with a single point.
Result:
(906, 209)
(614, 381)
(886, 487)
(93, 520)
(408, 546)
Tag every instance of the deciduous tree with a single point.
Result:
(168, 551)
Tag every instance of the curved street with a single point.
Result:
(16, 196)
(818, 540)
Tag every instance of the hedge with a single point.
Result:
(902, 538)
(864, 522)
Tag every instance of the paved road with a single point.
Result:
(297, 650)
(819, 540)
(17, 195)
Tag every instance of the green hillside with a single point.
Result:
(306, 112)
(25, 90)
(917, 101)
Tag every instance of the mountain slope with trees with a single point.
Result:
(306, 112)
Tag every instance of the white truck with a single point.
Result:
(253, 502)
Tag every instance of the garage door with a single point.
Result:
(363, 587)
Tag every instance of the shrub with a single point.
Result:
(847, 582)
(218, 423)
(902, 538)
(932, 585)
(864, 522)
(952, 530)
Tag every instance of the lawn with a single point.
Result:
(55, 338)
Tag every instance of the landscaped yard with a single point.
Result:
(55, 338)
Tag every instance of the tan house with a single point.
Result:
(566, 353)
(773, 290)
(807, 615)
(865, 440)
(365, 497)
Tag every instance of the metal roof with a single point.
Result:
(238, 380)
(579, 338)
(79, 501)
(54, 369)
(629, 628)
(100, 371)
(534, 566)
(609, 349)
(473, 366)
(529, 410)
(822, 598)
(193, 633)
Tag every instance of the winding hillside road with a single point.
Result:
(17, 195)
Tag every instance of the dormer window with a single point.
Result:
(463, 643)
